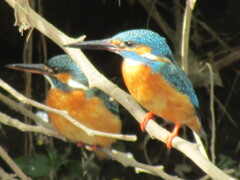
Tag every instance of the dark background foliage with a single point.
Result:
(214, 38)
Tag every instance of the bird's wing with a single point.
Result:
(179, 80)
(110, 104)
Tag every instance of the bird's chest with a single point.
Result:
(142, 83)
(74, 103)
(89, 112)
(77, 105)
(151, 90)
(65, 101)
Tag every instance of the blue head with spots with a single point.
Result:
(143, 43)
(64, 64)
(65, 74)
(140, 45)
(60, 71)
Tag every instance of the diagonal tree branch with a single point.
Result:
(12, 164)
(129, 161)
(98, 80)
(150, 7)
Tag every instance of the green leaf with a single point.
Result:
(75, 169)
(226, 162)
(56, 159)
(35, 165)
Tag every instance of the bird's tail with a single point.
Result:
(201, 147)
(198, 131)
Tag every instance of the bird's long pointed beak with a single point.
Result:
(33, 68)
(105, 44)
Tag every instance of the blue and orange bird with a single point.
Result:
(70, 92)
(153, 77)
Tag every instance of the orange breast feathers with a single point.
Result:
(158, 96)
(90, 112)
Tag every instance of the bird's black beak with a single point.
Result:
(105, 44)
(33, 68)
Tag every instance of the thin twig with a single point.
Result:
(7, 176)
(225, 111)
(213, 136)
(150, 7)
(227, 60)
(128, 161)
(212, 33)
(13, 165)
(64, 114)
(186, 32)
(145, 151)
(150, 13)
(20, 108)
(233, 90)
(184, 54)
(4, 119)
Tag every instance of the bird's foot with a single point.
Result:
(93, 147)
(172, 135)
(87, 146)
(145, 120)
(79, 144)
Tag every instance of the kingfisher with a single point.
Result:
(70, 92)
(153, 78)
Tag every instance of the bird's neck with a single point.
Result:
(154, 65)
(61, 86)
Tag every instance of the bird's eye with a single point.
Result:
(129, 43)
(55, 70)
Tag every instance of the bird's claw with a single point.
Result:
(145, 120)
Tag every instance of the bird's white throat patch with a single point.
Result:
(72, 83)
(149, 56)
(132, 62)
(76, 85)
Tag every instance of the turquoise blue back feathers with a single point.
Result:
(63, 63)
